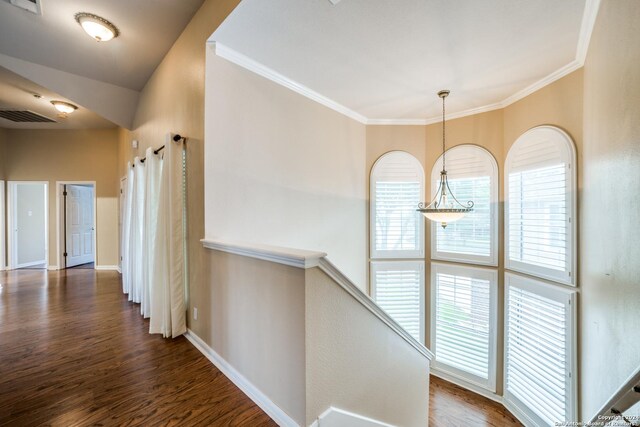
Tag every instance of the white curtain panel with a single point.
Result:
(126, 231)
(153, 165)
(154, 248)
(138, 269)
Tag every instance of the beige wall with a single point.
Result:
(71, 155)
(173, 101)
(283, 170)
(610, 205)
(357, 363)
(558, 104)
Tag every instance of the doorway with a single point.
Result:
(76, 224)
(28, 220)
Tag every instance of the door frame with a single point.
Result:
(60, 221)
(12, 243)
(3, 227)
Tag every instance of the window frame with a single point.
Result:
(373, 179)
(567, 276)
(554, 292)
(471, 381)
(415, 264)
(492, 259)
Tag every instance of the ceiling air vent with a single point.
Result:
(24, 116)
(32, 6)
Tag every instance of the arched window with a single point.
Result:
(540, 229)
(397, 186)
(540, 191)
(473, 175)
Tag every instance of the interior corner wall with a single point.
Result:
(71, 155)
(3, 153)
(609, 232)
(282, 169)
(173, 101)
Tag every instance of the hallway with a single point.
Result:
(75, 352)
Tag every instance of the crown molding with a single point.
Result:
(266, 72)
(589, 16)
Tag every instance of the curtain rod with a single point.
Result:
(154, 152)
(177, 137)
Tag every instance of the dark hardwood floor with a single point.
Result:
(453, 406)
(75, 352)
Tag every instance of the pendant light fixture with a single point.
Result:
(444, 208)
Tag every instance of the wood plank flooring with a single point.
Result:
(453, 406)
(75, 352)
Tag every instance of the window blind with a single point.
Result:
(473, 176)
(463, 322)
(538, 349)
(397, 186)
(540, 205)
(398, 288)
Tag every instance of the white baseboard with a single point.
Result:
(31, 264)
(258, 397)
(107, 267)
(467, 385)
(334, 417)
(52, 267)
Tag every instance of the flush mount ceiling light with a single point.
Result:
(97, 27)
(444, 207)
(64, 107)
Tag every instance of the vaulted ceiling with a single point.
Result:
(52, 50)
(383, 61)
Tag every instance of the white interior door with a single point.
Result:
(79, 225)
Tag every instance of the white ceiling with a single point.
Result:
(383, 61)
(53, 51)
(17, 92)
(148, 29)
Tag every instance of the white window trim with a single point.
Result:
(477, 272)
(551, 291)
(492, 259)
(399, 254)
(565, 277)
(402, 265)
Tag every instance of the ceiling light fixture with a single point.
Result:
(64, 107)
(444, 207)
(97, 27)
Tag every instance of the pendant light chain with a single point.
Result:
(444, 207)
(443, 136)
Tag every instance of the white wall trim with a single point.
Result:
(338, 417)
(266, 72)
(107, 267)
(586, 29)
(258, 397)
(624, 398)
(519, 414)
(326, 266)
(477, 389)
(53, 268)
(287, 256)
(308, 259)
(589, 16)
